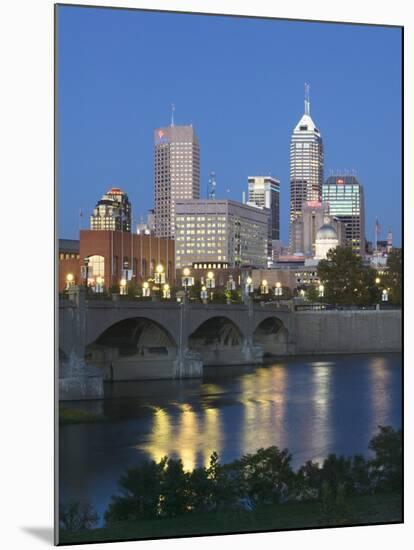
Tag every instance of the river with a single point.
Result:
(313, 406)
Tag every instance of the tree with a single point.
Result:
(312, 293)
(337, 471)
(174, 498)
(334, 508)
(133, 289)
(266, 475)
(393, 276)
(200, 491)
(76, 516)
(140, 493)
(308, 481)
(388, 460)
(224, 482)
(346, 280)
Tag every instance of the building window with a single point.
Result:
(96, 266)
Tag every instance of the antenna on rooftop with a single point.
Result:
(172, 113)
(307, 99)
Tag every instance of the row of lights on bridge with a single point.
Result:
(187, 281)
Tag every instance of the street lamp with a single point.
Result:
(321, 289)
(264, 289)
(231, 284)
(249, 285)
(159, 275)
(146, 292)
(204, 294)
(377, 280)
(186, 280)
(123, 286)
(384, 296)
(210, 282)
(69, 280)
(278, 290)
(99, 284)
(166, 293)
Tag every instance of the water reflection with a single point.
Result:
(379, 394)
(312, 407)
(323, 393)
(188, 435)
(263, 401)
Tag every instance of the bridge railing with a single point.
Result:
(332, 307)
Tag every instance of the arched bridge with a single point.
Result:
(139, 339)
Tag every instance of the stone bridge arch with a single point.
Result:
(219, 340)
(272, 336)
(134, 348)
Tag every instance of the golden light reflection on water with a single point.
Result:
(379, 394)
(188, 436)
(323, 431)
(263, 399)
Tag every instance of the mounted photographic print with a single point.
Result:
(229, 274)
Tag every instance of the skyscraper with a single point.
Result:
(264, 192)
(345, 196)
(112, 212)
(306, 163)
(176, 173)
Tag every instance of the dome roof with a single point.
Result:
(327, 231)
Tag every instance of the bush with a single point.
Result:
(265, 477)
(140, 493)
(152, 490)
(76, 516)
(388, 461)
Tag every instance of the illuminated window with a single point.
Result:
(96, 266)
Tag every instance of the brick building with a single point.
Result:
(110, 252)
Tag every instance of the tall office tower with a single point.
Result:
(264, 191)
(112, 212)
(226, 232)
(176, 173)
(306, 164)
(345, 196)
(389, 241)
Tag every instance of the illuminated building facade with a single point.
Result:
(112, 212)
(264, 191)
(306, 163)
(176, 173)
(109, 253)
(220, 231)
(345, 196)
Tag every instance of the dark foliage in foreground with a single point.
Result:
(164, 490)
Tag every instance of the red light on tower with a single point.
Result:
(339, 181)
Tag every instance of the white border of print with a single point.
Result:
(26, 171)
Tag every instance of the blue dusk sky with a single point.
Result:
(240, 82)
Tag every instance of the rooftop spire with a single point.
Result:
(172, 113)
(307, 100)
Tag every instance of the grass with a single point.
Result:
(368, 509)
(77, 416)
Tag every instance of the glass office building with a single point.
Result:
(306, 163)
(264, 191)
(220, 231)
(176, 173)
(345, 196)
(112, 212)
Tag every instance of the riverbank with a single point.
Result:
(78, 416)
(362, 510)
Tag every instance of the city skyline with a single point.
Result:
(98, 152)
